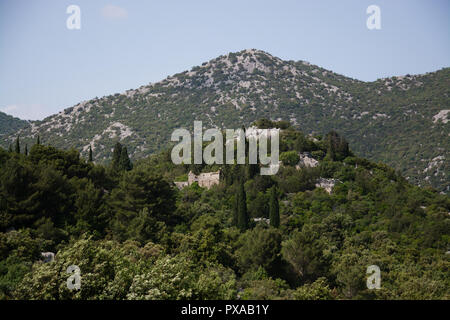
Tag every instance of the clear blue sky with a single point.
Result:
(45, 67)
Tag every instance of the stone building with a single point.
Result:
(205, 179)
(181, 184)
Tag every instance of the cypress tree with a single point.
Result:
(38, 140)
(274, 208)
(337, 147)
(235, 210)
(242, 207)
(124, 162)
(90, 154)
(26, 149)
(116, 155)
(17, 145)
(246, 142)
(331, 148)
(10, 148)
(252, 170)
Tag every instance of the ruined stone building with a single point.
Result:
(205, 179)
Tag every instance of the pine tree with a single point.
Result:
(116, 156)
(124, 162)
(274, 208)
(242, 207)
(90, 154)
(17, 145)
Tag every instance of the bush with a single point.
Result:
(290, 158)
(179, 278)
(318, 290)
(259, 247)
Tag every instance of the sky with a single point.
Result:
(46, 67)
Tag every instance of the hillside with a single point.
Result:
(9, 124)
(402, 121)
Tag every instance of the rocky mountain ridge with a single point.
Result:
(402, 121)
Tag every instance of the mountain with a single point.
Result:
(402, 121)
(9, 124)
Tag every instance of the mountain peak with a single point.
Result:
(240, 87)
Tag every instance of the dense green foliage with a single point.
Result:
(9, 124)
(135, 236)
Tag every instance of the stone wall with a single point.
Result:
(181, 184)
(204, 180)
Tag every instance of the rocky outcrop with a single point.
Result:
(327, 184)
(306, 160)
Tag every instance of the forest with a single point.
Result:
(134, 235)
